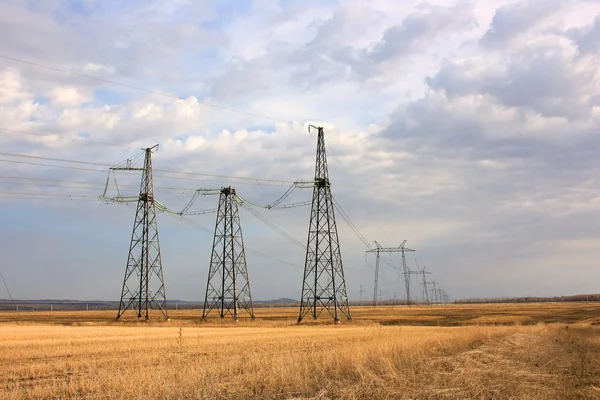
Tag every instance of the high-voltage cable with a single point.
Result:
(274, 226)
(138, 88)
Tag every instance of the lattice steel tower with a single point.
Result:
(144, 265)
(324, 286)
(228, 286)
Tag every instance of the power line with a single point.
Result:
(8, 291)
(357, 232)
(276, 228)
(23, 180)
(225, 176)
(201, 228)
(141, 89)
(51, 185)
(53, 165)
(203, 180)
(56, 159)
(352, 185)
(346, 217)
(48, 194)
(48, 199)
(92, 186)
(79, 139)
(188, 222)
(273, 184)
(276, 204)
(122, 172)
(353, 227)
(269, 180)
(279, 260)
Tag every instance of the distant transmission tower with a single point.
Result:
(424, 282)
(446, 296)
(324, 285)
(144, 265)
(228, 286)
(434, 292)
(400, 249)
(376, 250)
(407, 272)
(422, 272)
(361, 296)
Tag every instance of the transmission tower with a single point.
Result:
(422, 272)
(228, 286)
(144, 264)
(324, 285)
(425, 289)
(446, 296)
(377, 251)
(443, 295)
(434, 292)
(407, 272)
(361, 295)
(400, 249)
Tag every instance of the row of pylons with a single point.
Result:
(228, 284)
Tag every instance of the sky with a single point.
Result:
(471, 129)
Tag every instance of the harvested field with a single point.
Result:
(473, 352)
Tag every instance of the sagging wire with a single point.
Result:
(159, 206)
(198, 193)
(9, 295)
(272, 225)
(192, 224)
(276, 204)
(353, 227)
(400, 273)
(368, 263)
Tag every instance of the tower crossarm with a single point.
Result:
(389, 250)
(411, 272)
(127, 169)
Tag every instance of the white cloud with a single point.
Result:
(11, 88)
(95, 68)
(68, 96)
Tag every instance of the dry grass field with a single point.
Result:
(500, 351)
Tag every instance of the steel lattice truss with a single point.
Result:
(144, 265)
(324, 286)
(405, 270)
(228, 286)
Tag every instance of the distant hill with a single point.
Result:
(531, 299)
(280, 300)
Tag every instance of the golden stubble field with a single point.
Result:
(500, 351)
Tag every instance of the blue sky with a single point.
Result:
(468, 128)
